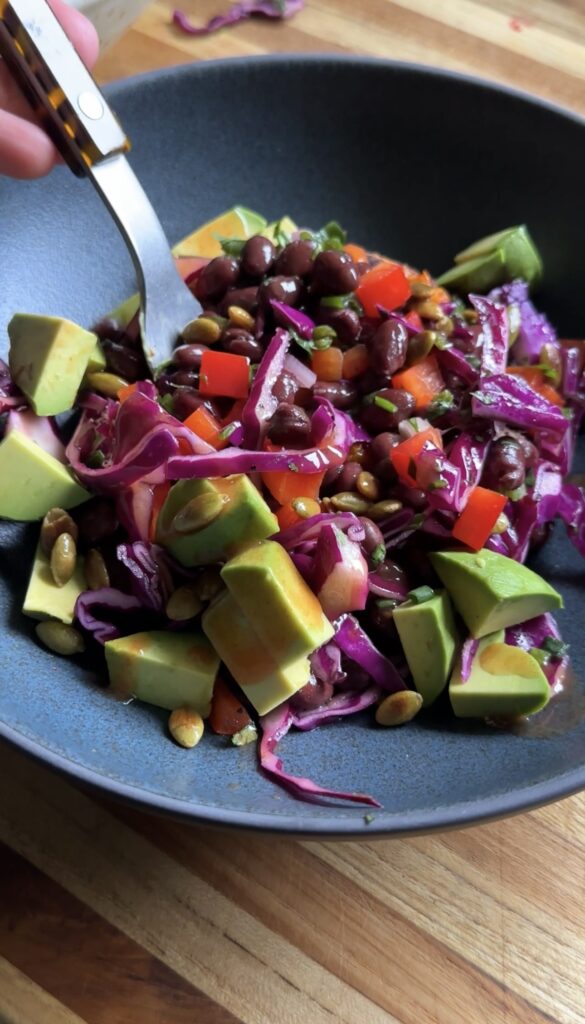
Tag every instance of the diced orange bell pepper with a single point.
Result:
(327, 363)
(477, 521)
(423, 380)
(538, 382)
(285, 485)
(224, 374)
(159, 495)
(357, 252)
(405, 453)
(287, 516)
(228, 715)
(355, 361)
(207, 427)
(385, 285)
(189, 265)
(126, 391)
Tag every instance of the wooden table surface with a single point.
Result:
(111, 917)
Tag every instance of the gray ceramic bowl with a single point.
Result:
(317, 137)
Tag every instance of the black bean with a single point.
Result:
(382, 445)
(186, 401)
(188, 357)
(371, 381)
(215, 278)
(315, 693)
(296, 259)
(239, 342)
(108, 328)
(345, 322)
(392, 573)
(285, 388)
(341, 393)
(347, 479)
(373, 537)
(184, 378)
(281, 288)
(334, 273)
(127, 362)
(330, 479)
(412, 496)
(290, 426)
(257, 257)
(388, 347)
(377, 419)
(246, 298)
(505, 468)
(529, 451)
(96, 520)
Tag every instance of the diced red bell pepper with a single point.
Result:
(126, 391)
(385, 285)
(228, 715)
(424, 380)
(189, 266)
(207, 427)
(477, 521)
(404, 456)
(224, 374)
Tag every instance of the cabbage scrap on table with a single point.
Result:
(321, 505)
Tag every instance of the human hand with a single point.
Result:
(25, 150)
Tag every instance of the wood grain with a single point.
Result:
(108, 916)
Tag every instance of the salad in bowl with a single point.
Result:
(322, 504)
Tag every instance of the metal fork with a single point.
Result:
(75, 114)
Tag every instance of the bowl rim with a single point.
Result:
(381, 823)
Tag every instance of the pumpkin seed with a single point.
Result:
(63, 559)
(368, 486)
(203, 329)
(107, 384)
(95, 569)
(199, 512)
(349, 501)
(60, 638)
(186, 727)
(398, 708)
(383, 509)
(241, 318)
(56, 521)
(183, 604)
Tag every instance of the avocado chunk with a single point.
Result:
(491, 591)
(44, 599)
(504, 682)
(33, 481)
(167, 669)
(429, 639)
(48, 357)
(476, 275)
(97, 360)
(265, 682)
(280, 606)
(244, 518)
(492, 260)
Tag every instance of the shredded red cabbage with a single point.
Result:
(302, 373)
(274, 727)
(132, 439)
(493, 319)
(293, 318)
(150, 579)
(104, 613)
(238, 12)
(454, 361)
(572, 512)
(340, 573)
(468, 652)
(309, 529)
(357, 646)
(535, 329)
(262, 403)
(509, 398)
(326, 664)
(348, 703)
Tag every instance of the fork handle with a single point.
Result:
(71, 107)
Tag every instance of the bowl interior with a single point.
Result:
(412, 162)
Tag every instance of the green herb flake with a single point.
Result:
(166, 402)
(232, 246)
(293, 468)
(555, 647)
(539, 655)
(96, 460)
(377, 556)
(369, 818)
(385, 403)
(421, 594)
(227, 431)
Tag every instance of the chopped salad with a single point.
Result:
(322, 504)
